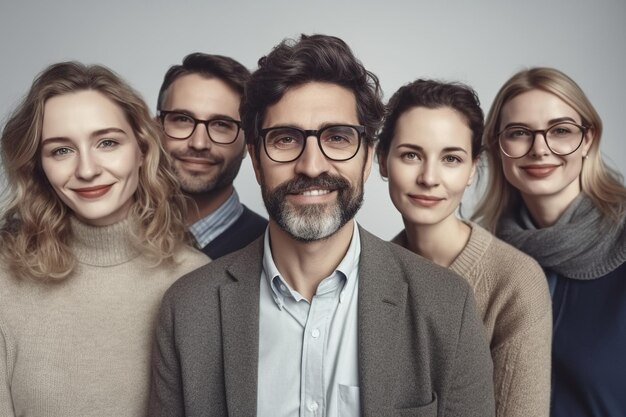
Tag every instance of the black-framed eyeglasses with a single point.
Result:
(337, 142)
(561, 138)
(179, 125)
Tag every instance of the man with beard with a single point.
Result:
(319, 317)
(198, 108)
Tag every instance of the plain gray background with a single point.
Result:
(481, 43)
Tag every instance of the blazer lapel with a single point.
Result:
(239, 305)
(382, 299)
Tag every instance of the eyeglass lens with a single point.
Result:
(182, 126)
(284, 144)
(562, 139)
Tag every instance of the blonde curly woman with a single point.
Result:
(90, 237)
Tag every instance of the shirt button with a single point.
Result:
(313, 406)
(283, 287)
(315, 333)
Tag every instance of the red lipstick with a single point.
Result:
(539, 170)
(93, 192)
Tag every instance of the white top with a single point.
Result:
(308, 353)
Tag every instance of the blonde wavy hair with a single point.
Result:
(35, 224)
(600, 182)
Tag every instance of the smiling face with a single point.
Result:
(90, 156)
(201, 165)
(429, 164)
(312, 197)
(541, 174)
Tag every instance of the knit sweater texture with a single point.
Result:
(512, 295)
(81, 347)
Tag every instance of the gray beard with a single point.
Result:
(313, 222)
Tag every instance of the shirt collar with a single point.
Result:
(346, 269)
(209, 227)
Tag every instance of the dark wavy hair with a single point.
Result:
(221, 67)
(318, 58)
(433, 94)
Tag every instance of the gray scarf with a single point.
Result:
(580, 245)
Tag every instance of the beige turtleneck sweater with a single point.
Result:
(512, 295)
(81, 347)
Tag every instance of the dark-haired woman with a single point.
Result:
(428, 150)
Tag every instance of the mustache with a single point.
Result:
(199, 155)
(302, 183)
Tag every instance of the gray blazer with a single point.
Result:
(422, 348)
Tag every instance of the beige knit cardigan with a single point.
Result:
(512, 295)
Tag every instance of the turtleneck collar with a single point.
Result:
(103, 245)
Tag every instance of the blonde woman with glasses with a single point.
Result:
(552, 196)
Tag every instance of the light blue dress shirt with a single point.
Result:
(308, 353)
(208, 228)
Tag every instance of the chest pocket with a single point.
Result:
(349, 403)
(428, 410)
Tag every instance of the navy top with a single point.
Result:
(248, 227)
(589, 345)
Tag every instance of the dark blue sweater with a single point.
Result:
(589, 345)
(246, 229)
